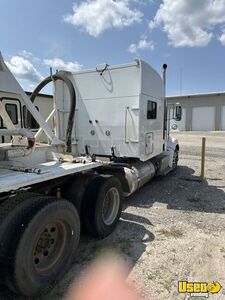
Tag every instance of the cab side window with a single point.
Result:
(151, 110)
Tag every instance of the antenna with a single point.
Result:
(181, 81)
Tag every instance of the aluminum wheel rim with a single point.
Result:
(110, 206)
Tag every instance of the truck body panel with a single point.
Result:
(13, 180)
(126, 93)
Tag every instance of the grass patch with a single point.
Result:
(193, 179)
(194, 199)
(149, 252)
(167, 285)
(176, 233)
(152, 275)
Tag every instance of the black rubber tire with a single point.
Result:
(21, 274)
(9, 212)
(92, 207)
(8, 205)
(77, 189)
(175, 158)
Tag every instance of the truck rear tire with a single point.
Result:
(102, 206)
(11, 211)
(75, 193)
(45, 248)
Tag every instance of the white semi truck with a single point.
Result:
(107, 137)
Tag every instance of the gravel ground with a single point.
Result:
(172, 229)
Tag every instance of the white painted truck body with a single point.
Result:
(112, 109)
(14, 180)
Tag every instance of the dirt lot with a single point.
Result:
(172, 229)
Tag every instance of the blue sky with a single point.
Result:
(187, 35)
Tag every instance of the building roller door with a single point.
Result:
(223, 118)
(203, 118)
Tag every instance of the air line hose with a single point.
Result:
(61, 76)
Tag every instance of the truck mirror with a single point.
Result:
(178, 113)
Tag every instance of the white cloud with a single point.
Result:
(143, 44)
(29, 55)
(26, 54)
(222, 38)
(190, 23)
(23, 69)
(58, 63)
(95, 16)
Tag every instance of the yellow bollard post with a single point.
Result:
(58, 193)
(203, 158)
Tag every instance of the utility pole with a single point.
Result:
(181, 81)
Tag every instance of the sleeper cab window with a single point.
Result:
(12, 112)
(151, 110)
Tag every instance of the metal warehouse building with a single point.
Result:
(201, 112)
